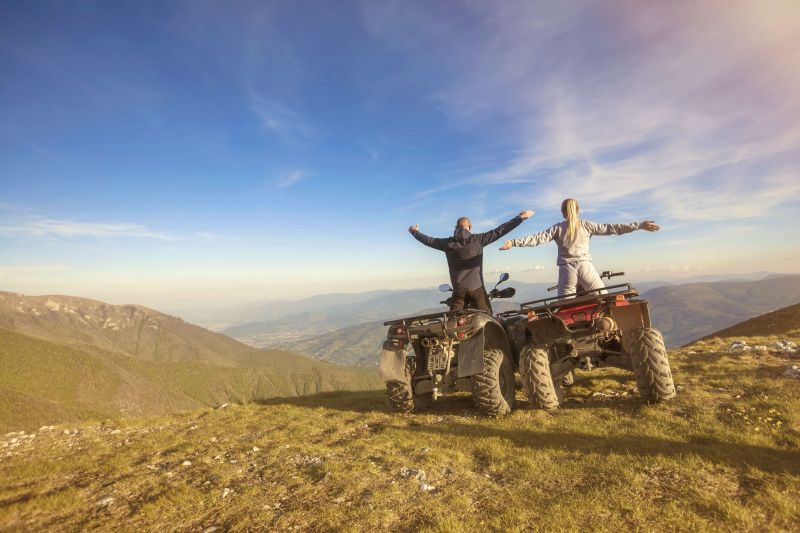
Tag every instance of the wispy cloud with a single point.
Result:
(72, 229)
(277, 117)
(535, 268)
(291, 179)
(687, 110)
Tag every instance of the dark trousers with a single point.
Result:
(476, 298)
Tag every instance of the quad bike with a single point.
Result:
(428, 356)
(593, 328)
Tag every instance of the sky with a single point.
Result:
(198, 153)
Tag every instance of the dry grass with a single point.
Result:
(723, 456)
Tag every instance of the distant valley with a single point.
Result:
(352, 333)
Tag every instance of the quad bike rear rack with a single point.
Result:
(580, 297)
(431, 316)
(558, 305)
(434, 324)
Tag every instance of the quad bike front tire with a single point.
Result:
(493, 389)
(534, 370)
(650, 364)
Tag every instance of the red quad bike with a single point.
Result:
(428, 356)
(585, 330)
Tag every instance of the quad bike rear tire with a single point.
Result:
(534, 370)
(650, 364)
(400, 395)
(493, 390)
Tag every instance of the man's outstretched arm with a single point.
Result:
(433, 242)
(490, 236)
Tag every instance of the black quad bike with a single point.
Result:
(584, 330)
(426, 357)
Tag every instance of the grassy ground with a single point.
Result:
(725, 455)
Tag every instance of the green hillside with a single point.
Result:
(723, 456)
(687, 312)
(45, 383)
(781, 322)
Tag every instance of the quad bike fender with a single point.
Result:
(393, 362)
(632, 316)
(470, 356)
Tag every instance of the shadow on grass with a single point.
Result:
(372, 401)
(739, 456)
(358, 401)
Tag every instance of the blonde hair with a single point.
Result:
(569, 208)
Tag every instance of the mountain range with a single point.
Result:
(682, 312)
(64, 357)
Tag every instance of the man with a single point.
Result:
(464, 251)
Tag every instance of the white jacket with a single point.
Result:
(578, 249)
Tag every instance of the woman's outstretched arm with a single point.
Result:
(534, 240)
(619, 229)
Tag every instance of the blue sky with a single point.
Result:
(190, 153)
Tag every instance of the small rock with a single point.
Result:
(14, 440)
(406, 473)
(116, 432)
(691, 352)
(256, 449)
(223, 406)
(339, 499)
(105, 502)
(424, 487)
(226, 492)
(186, 463)
(211, 529)
(791, 372)
(213, 439)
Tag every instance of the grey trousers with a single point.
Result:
(580, 274)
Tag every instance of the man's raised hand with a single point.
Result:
(650, 225)
(523, 215)
(507, 244)
(413, 229)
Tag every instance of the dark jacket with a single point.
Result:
(464, 251)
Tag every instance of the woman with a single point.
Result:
(575, 266)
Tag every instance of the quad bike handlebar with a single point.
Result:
(508, 292)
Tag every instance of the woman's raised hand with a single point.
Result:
(650, 225)
(507, 245)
